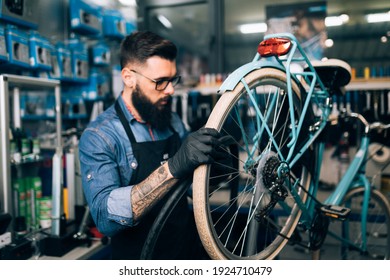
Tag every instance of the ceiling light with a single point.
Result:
(132, 3)
(336, 20)
(329, 43)
(164, 21)
(379, 17)
(101, 3)
(253, 28)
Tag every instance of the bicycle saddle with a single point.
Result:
(334, 74)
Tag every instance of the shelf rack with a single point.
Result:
(369, 84)
(15, 83)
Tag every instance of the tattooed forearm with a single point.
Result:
(147, 193)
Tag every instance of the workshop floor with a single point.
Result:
(329, 251)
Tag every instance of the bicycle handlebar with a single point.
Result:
(379, 126)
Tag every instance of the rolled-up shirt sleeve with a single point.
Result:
(119, 206)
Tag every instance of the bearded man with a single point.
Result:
(137, 150)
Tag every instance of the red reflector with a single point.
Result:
(274, 46)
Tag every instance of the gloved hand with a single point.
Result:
(198, 148)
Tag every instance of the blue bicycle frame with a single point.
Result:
(353, 177)
(317, 94)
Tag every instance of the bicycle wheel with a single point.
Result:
(255, 220)
(161, 219)
(377, 229)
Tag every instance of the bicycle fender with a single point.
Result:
(234, 78)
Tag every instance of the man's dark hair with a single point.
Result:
(141, 45)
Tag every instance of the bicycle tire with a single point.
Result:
(150, 242)
(277, 225)
(377, 227)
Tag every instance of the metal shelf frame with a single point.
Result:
(10, 86)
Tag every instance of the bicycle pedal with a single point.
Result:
(336, 212)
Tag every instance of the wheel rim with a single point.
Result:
(232, 228)
(377, 229)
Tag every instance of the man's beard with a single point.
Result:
(157, 115)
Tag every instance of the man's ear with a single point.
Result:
(128, 78)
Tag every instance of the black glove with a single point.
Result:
(198, 148)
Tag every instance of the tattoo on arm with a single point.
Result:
(151, 190)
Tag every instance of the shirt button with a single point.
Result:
(123, 222)
(133, 165)
(89, 176)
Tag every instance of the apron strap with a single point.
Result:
(124, 122)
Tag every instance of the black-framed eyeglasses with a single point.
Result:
(162, 84)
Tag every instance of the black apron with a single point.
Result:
(173, 238)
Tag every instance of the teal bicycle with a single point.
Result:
(277, 114)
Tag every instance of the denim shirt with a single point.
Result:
(107, 164)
